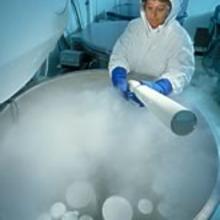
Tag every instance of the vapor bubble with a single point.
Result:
(79, 194)
(117, 208)
(145, 206)
(57, 210)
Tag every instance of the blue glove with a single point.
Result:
(119, 80)
(163, 86)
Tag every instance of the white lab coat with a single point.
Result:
(164, 52)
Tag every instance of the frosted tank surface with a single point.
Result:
(77, 128)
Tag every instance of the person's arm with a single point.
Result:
(121, 49)
(181, 64)
(124, 46)
(180, 67)
(119, 64)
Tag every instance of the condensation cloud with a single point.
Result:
(68, 131)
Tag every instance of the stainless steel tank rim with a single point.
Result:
(212, 203)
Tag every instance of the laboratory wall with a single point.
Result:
(199, 14)
(196, 7)
(97, 7)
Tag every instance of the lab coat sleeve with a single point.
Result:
(180, 66)
(119, 56)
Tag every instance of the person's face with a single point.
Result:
(156, 12)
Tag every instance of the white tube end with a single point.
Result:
(183, 122)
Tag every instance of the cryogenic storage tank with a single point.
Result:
(73, 146)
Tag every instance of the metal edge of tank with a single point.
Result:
(13, 100)
(212, 203)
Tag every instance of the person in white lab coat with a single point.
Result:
(156, 45)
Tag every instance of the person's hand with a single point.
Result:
(119, 80)
(162, 86)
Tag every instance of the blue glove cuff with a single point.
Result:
(164, 86)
